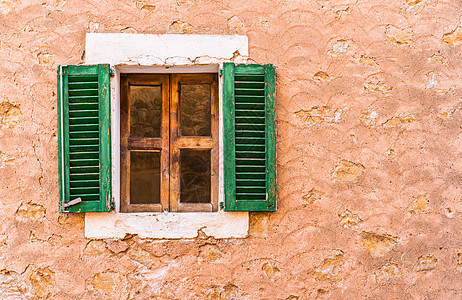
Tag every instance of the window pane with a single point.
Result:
(195, 109)
(195, 176)
(145, 111)
(144, 177)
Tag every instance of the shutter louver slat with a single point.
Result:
(248, 137)
(85, 137)
(83, 86)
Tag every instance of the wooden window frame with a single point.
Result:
(170, 143)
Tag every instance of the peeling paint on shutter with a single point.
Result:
(84, 138)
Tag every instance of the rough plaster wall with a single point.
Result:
(369, 147)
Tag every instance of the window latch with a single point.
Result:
(72, 202)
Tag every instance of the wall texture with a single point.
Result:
(369, 146)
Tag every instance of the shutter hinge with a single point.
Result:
(222, 205)
(112, 72)
(220, 72)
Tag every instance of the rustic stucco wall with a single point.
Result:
(369, 147)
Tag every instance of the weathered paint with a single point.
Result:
(103, 204)
(166, 225)
(229, 104)
(162, 49)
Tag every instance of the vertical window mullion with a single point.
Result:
(215, 140)
(124, 152)
(165, 152)
(174, 151)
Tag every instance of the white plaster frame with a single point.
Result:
(169, 53)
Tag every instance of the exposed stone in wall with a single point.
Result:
(6, 160)
(414, 2)
(3, 243)
(391, 154)
(319, 115)
(439, 58)
(419, 204)
(117, 246)
(11, 286)
(258, 224)
(377, 86)
(45, 59)
(350, 220)
(235, 24)
(369, 117)
(143, 257)
(398, 121)
(426, 263)
(322, 294)
(29, 211)
(96, 250)
(321, 76)
(339, 47)
(399, 36)
(447, 112)
(180, 2)
(270, 269)
(145, 6)
(330, 269)
(210, 253)
(378, 244)
(109, 284)
(180, 27)
(6, 6)
(347, 171)
(227, 292)
(453, 38)
(368, 61)
(312, 196)
(387, 272)
(42, 281)
(459, 261)
(9, 114)
(54, 5)
(93, 26)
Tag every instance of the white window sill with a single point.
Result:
(167, 225)
(169, 53)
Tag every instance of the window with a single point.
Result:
(89, 134)
(169, 142)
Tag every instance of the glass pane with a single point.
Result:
(144, 177)
(195, 109)
(145, 111)
(195, 176)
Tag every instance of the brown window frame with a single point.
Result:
(170, 143)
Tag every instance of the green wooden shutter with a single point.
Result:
(249, 143)
(84, 138)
